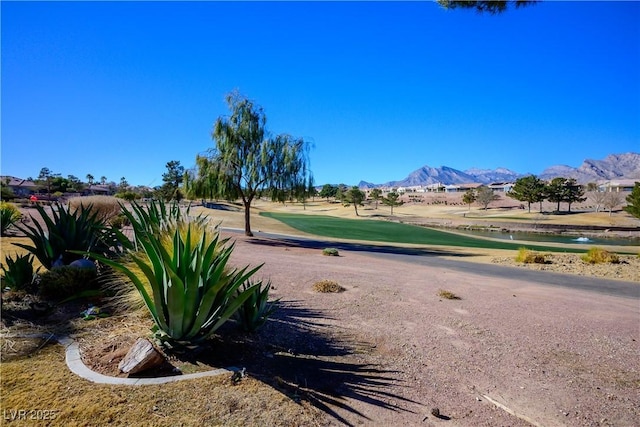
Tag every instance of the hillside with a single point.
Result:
(614, 166)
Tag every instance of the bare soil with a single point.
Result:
(389, 349)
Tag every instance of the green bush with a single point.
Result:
(6, 193)
(127, 195)
(255, 311)
(330, 252)
(530, 257)
(63, 282)
(119, 221)
(9, 216)
(182, 275)
(600, 256)
(18, 273)
(65, 231)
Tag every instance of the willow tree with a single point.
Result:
(491, 6)
(246, 162)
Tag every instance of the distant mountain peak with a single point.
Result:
(614, 166)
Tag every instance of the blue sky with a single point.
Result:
(378, 88)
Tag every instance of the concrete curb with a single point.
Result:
(77, 366)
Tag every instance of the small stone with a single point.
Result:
(141, 357)
(83, 263)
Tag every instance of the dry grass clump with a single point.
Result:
(600, 256)
(108, 207)
(330, 252)
(530, 257)
(447, 294)
(328, 286)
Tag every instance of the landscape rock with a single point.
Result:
(141, 357)
(83, 263)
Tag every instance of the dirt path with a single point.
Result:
(551, 356)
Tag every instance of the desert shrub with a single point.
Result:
(185, 283)
(447, 294)
(105, 207)
(328, 286)
(530, 257)
(123, 295)
(62, 282)
(330, 252)
(255, 311)
(119, 221)
(9, 216)
(18, 273)
(127, 195)
(65, 231)
(6, 193)
(597, 255)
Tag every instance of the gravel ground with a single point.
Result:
(551, 356)
(627, 269)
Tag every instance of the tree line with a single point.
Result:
(54, 185)
(532, 189)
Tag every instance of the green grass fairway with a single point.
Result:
(385, 231)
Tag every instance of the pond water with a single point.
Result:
(554, 238)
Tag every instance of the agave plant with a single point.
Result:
(185, 282)
(66, 231)
(18, 273)
(9, 216)
(156, 217)
(256, 309)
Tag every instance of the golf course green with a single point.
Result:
(393, 232)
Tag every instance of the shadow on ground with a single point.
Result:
(305, 359)
(292, 242)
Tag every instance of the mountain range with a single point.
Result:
(614, 166)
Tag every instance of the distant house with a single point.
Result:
(617, 186)
(458, 188)
(503, 187)
(19, 187)
(435, 188)
(98, 189)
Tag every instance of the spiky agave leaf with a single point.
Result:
(192, 291)
(66, 231)
(255, 311)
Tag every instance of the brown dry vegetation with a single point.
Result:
(43, 382)
(328, 286)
